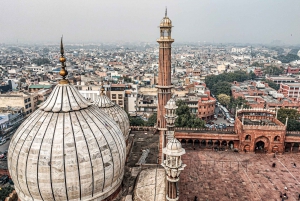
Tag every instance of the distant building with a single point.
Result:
(116, 94)
(10, 116)
(291, 90)
(19, 99)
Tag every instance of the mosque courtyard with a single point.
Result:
(230, 176)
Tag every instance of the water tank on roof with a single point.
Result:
(278, 95)
(260, 85)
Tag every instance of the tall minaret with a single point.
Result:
(164, 78)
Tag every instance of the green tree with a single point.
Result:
(185, 118)
(136, 121)
(272, 84)
(224, 99)
(5, 191)
(256, 64)
(287, 58)
(272, 70)
(127, 79)
(293, 125)
(238, 102)
(219, 84)
(41, 61)
(152, 120)
(283, 113)
(221, 88)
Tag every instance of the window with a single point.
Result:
(29, 105)
(25, 101)
(114, 101)
(120, 102)
(113, 96)
(30, 110)
(28, 99)
(120, 96)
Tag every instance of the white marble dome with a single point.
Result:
(173, 148)
(115, 112)
(68, 149)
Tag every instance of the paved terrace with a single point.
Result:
(230, 176)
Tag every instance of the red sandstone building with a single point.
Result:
(255, 130)
(291, 90)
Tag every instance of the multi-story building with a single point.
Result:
(291, 90)
(19, 99)
(260, 95)
(116, 93)
(10, 116)
(282, 79)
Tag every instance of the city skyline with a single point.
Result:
(131, 21)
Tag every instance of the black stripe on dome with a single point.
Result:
(38, 159)
(115, 141)
(50, 98)
(87, 114)
(64, 155)
(76, 157)
(112, 158)
(55, 114)
(18, 154)
(29, 149)
(88, 149)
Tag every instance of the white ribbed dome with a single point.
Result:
(115, 112)
(166, 22)
(67, 150)
(171, 104)
(173, 148)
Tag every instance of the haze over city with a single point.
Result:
(149, 100)
(234, 21)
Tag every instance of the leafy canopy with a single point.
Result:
(293, 115)
(185, 118)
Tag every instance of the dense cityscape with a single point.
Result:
(145, 121)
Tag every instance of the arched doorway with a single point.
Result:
(217, 143)
(196, 143)
(231, 144)
(260, 147)
(203, 143)
(210, 143)
(262, 144)
(288, 147)
(295, 148)
(183, 142)
(224, 143)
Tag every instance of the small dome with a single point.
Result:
(171, 104)
(173, 148)
(67, 149)
(166, 22)
(174, 145)
(115, 112)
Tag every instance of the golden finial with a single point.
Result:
(63, 72)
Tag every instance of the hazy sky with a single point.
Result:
(254, 21)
